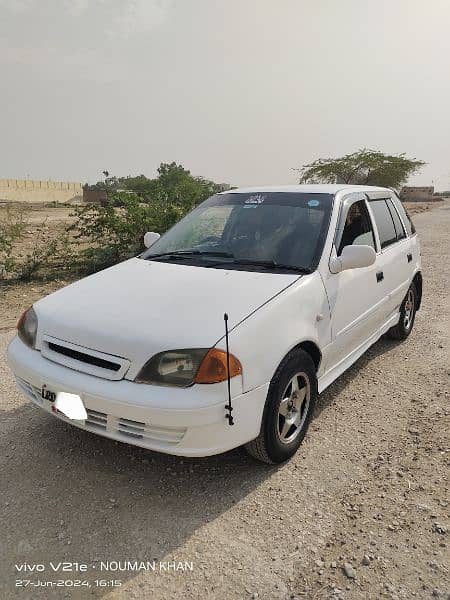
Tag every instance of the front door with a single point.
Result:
(355, 296)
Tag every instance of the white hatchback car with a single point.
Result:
(309, 276)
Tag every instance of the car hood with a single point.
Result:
(139, 307)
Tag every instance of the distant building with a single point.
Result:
(94, 196)
(417, 194)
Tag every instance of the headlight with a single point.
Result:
(184, 367)
(27, 327)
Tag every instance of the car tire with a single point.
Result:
(290, 404)
(407, 315)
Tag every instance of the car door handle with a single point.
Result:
(409, 257)
(380, 276)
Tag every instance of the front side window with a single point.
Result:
(234, 230)
(384, 222)
(358, 230)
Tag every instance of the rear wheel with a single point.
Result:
(407, 315)
(289, 407)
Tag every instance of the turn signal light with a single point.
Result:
(213, 367)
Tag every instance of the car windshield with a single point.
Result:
(276, 230)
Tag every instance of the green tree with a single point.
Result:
(364, 167)
(174, 183)
(114, 232)
(139, 184)
(180, 187)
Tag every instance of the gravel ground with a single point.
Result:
(360, 512)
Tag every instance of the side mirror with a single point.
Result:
(353, 257)
(150, 238)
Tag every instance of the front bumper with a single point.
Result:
(184, 422)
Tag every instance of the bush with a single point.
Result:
(49, 258)
(12, 226)
(49, 255)
(103, 235)
(109, 234)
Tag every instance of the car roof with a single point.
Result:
(314, 188)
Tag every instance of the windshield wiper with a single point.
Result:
(188, 253)
(266, 264)
(270, 264)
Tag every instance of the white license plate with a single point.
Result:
(69, 405)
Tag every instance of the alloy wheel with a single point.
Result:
(409, 310)
(293, 408)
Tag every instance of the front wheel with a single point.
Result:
(407, 315)
(289, 408)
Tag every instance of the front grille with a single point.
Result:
(130, 428)
(147, 432)
(119, 428)
(96, 420)
(81, 356)
(85, 360)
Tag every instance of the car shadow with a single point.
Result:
(70, 495)
(328, 396)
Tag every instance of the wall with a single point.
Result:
(26, 190)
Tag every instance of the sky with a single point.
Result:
(237, 91)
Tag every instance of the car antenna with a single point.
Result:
(228, 406)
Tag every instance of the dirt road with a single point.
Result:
(366, 494)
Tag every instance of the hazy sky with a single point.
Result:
(240, 91)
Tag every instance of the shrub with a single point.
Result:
(12, 226)
(109, 234)
(49, 258)
(103, 235)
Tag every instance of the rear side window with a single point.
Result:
(384, 222)
(404, 215)
(399, 229)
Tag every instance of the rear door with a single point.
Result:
(395, 259)
(414, 263)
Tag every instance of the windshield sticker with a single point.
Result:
(257, 199)
(313, 203)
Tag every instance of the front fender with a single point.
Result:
(300, 313)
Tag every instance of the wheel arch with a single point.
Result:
(417, 280)
(310, 348)
(313, 350)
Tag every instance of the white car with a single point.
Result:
(310, 276)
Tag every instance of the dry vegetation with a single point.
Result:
(36, 227)
(32, 225)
